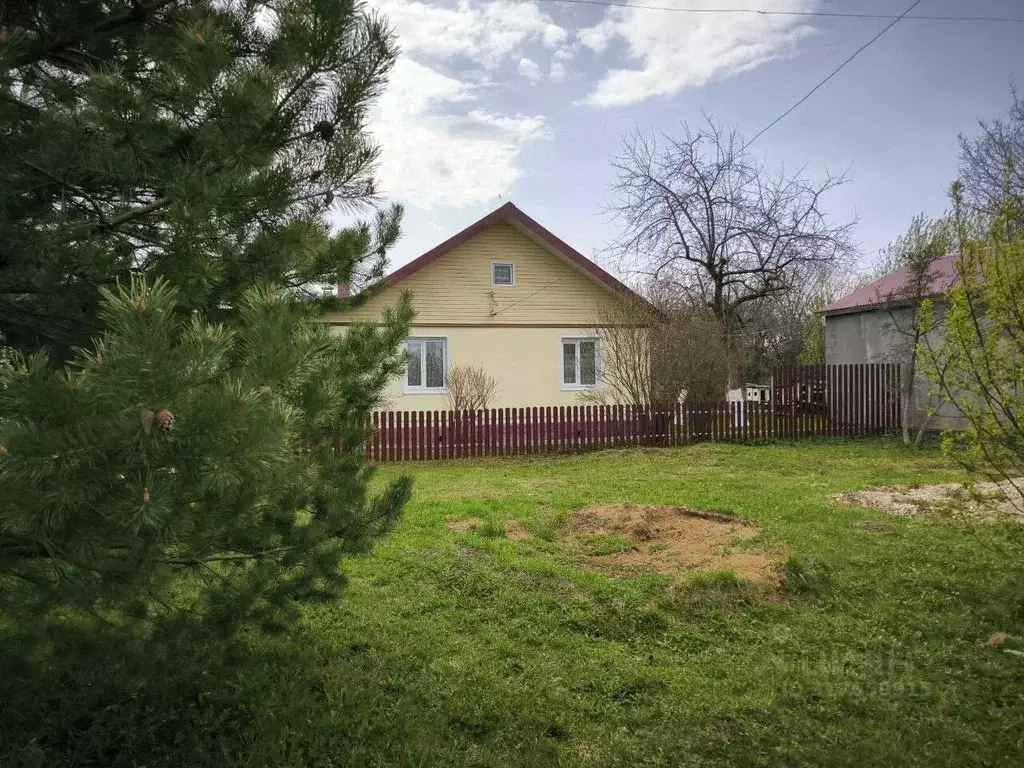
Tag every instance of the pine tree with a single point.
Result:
(172, 401)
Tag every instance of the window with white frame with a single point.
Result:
(427, 361)
(503, 273)
(580, 363)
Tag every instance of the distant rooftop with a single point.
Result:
(890, 290)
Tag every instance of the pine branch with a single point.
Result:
(74, 188)
(43, 50)
(197, 561)
(87, 229)
(299, 82)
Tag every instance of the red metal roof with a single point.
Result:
(509, 214)
(890, 290)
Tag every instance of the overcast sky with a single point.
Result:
(502, 100)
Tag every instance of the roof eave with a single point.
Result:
(879, 306)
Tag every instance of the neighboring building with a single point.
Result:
(864, 327)
(751, 393)
(758, 393)
(507, 295)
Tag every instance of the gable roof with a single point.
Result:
(888, 291)
(509, 214)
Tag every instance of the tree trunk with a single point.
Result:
(732, 373)
(907, 374)
(920, 431)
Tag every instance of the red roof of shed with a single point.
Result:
(890, 290)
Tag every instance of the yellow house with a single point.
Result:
(506, 295)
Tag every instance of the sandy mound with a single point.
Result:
(670, 539)
(989, 501)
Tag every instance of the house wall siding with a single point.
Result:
(866, 337)
(456, 288)
(525, 361)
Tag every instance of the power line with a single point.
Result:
(832, 74)
(527, 298)
(825, 14)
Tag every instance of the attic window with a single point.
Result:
(502, 273)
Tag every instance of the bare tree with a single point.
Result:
(992, 163)
(786, 328)
(703, 214)
(469, 388)
(653, 353)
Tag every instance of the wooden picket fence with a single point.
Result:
(806, 401)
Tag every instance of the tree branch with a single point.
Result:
(41, 49)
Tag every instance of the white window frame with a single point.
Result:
(561, 363)
(512, 268)
(423, 389)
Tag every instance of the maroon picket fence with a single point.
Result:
(806, 401)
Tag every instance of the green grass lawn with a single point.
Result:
(483, 651)
(471, 649)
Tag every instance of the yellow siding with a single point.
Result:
(456, 288)
(526, 362)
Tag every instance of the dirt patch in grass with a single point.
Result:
(464, 525)
(672, 539)
(515, 531)
(987, 501)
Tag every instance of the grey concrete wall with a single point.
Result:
(874, 337)
(866, 337)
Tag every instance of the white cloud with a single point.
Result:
(529, 69)
(557, 71)
(440, 146)
(435, 152)
(673, 51)
(485, 32)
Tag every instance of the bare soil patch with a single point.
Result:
(670, 539)
(987, 501)
(464, 525)
(514, 531)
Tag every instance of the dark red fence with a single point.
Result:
(806, 401)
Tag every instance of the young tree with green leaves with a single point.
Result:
(979, 363)
(812, 349)
(914, 252)
(173, 402)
